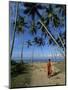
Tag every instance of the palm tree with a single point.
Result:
(14, 30)
(52, 37)
(51, 16)
(62, 9)
(20, 28)
(19, 25)
(46, 32)
(33, 28)
(32, 9)
(59, 21)
(29, 44)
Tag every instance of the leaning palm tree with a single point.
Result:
(32, 9)
(52, 37)
(52, 17)
(13, 40)
(56, 21)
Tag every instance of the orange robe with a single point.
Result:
(49, 67)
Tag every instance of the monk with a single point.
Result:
(49, 68)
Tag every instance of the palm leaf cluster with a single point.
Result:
(20, 24)
(34, 10)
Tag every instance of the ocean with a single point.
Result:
(39, 60)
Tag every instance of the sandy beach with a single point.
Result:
(40, 77)
(37, 75)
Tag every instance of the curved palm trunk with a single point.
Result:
(60, 39)
(14, 31)
(50, 34)
(61, 42)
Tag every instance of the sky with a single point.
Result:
(35, 52)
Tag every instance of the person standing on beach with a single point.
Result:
(49, 68)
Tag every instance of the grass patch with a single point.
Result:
(20, 75)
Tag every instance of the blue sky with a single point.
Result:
(38, 52)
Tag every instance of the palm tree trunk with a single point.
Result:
(50, 34)
(14, 31)
(60, 39)
(22, 49)
(48, 31)
(32, 55)
(61, 42)
(33, 21)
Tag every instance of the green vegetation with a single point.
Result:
(20, 74)
(18, 68)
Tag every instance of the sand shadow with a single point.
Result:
(55, 73)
